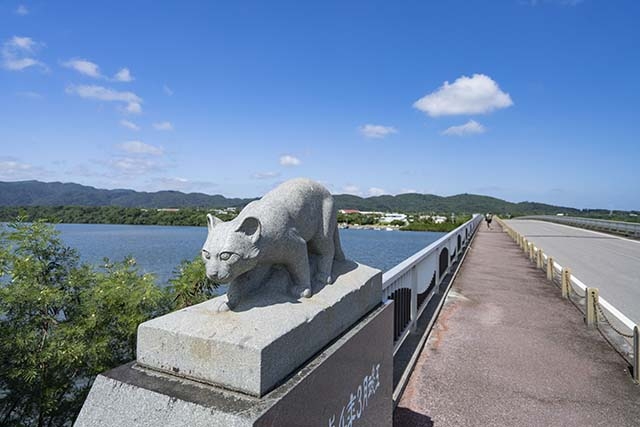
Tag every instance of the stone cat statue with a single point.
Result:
(295, 219)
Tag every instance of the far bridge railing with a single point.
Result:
(412, 283)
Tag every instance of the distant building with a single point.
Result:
(349, 211)
(436, 218)
(439, 219)
(390, 217)
(168, 210)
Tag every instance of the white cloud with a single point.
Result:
(124, 75)
(129, 125)
(560, 2)
(133, 108)
(167, 90)
(288, 160)
(13, 169)
(14, 64)
(478, 94)
(85, 67)
(24, 43)
(134, 165)
(470, 128)
(138, 147)
(265, 175)
(17, 54)
(22, 10)
(133, 102)
(375, 191)
(376, 131)
(179, 184)
(351, 189)
(407, 191)
(92, 69)
(30, 95)
(163, 126)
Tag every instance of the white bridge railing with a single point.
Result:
(620, 331)
(413, 282)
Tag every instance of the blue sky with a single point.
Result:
(522, 100)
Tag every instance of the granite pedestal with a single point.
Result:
(274, 360)
(265, 339)
(347, 383)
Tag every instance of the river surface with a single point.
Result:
(160, 249)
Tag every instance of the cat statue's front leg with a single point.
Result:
(300, 275)
(243, 285)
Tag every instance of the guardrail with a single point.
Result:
(630, 229)
(617, 329)
(413, 282)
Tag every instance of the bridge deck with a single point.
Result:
(610, 263)
(507, 350)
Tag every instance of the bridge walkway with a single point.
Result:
(507, 350)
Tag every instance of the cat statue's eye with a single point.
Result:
(206, 254)
(224, 256)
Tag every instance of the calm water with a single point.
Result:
(159, 249)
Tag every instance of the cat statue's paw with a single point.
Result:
(302, 292)
(323, 279)
(221, 306)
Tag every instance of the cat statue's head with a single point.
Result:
(230, 249)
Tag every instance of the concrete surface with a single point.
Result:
(599, 260)
(348, 383)
(255, 347)
(507, 350)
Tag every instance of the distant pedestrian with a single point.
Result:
(488, 217)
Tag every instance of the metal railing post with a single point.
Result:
(550, 268)
(414, 298)
(566, 282)
(591, 310)
(636, 354)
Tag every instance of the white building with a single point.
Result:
(388, 218)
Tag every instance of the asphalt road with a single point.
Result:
(599, 260)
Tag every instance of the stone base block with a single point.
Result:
(348, 383)
(266, 338)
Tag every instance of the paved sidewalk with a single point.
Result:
(507, 350)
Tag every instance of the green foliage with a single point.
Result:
(429, 225)
(111, 215)
(356, 218)
(62, 323)
(190, 284)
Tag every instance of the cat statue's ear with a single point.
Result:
(212, 221)
(251, 227)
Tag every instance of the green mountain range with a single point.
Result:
(36, 193)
